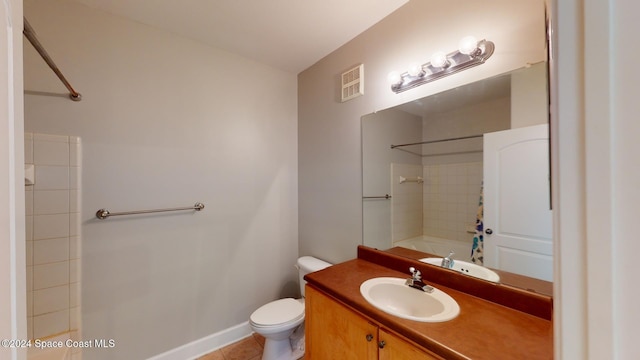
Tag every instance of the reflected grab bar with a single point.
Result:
(104, 213)
(386, 196)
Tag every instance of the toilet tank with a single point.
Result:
(306, 265)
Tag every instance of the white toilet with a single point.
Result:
(278, 320)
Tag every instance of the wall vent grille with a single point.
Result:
(353, 83)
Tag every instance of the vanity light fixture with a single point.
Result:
(470, 53)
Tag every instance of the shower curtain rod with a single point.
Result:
(31, 36)
(437, 141)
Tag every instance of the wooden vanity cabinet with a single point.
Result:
(333, 331)
(396, 348)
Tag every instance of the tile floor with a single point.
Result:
(249, 348)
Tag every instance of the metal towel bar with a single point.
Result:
(386, 196)
(104, 213)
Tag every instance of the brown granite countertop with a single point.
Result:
(482, 330)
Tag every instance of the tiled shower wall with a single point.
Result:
(444, 206)
(406, 202)
(53, 235)
(451, 197)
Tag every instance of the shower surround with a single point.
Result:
(442, 205)
(53, 236)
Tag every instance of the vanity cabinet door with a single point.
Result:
(332, 331)
(393, 347)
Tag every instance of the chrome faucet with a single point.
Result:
(416, 281)
(447, 262)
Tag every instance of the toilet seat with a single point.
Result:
(278, 313)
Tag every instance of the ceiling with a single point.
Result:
(466, 95)
(290, 35)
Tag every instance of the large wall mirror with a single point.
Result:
(463, 167)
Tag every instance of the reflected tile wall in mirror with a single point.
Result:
(451, 196)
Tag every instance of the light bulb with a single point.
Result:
(415, 69)
(394, 78)
(468, 45)
(439, 60)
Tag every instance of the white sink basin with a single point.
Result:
(392, 296)
(467, 268)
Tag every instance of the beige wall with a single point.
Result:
(166, 122)
(330, 190)
(379, 131)
(595, 178)
(488, 116)
(13, 324)
(529, 96)
(581, 330)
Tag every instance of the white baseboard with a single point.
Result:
(207, 344)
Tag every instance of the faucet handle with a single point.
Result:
(447, 262)
(416, 281)
(417, 275)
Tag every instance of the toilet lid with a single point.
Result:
(278, 312)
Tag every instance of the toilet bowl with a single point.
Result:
(278, 320)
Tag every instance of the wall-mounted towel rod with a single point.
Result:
(31, 36)
(437, 141)
(386, 196)
(104, 213)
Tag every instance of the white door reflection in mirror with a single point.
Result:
(517, 215)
